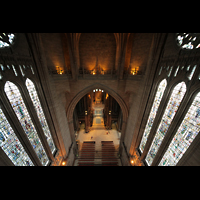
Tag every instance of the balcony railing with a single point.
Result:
(99, 74)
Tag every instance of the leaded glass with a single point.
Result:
(21, 111)
(153, 112)
(188, 40)
(11, 144)
(184, 136)
(36, 102)
(6, 39)
(170, 111)
(192, 73)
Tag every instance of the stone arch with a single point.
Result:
(111, 92)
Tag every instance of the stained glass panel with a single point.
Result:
(192, 73)
(6, 39)
(170, 111)
(153, 112)
(11, 145)
(21, 111)
(36, 102)
(188, 40)
(184, 136)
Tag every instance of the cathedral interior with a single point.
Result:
(99, 99)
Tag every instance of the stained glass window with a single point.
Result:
(192, 73)
(170, 111)
(153, 112)
(11, 144)
(36, 102)
(184, 136)
(6, 39)
(188, 40)
(21, 111)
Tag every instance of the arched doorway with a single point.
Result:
(97, 117)
(107, 90)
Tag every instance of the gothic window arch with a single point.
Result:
(186, 133)
(153, 112)
(170, 111)
(6, 39)
(188, 40)
(11, 145)
(19, 107)
(37, 105)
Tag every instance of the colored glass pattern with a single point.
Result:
(6, 39)
(21, 111)
(184, 136)
(170, 111)
(153, 112)
(36, 102)
(192, 73)
(11, 144)
(188, 40)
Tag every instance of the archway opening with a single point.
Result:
(97, 117)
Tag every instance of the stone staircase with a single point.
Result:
(103, 154)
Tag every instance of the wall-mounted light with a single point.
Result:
(86, 112)
(64, 162)
(93, 72)
(101, 90)
(59, 71)
(132, 159)
(135, 70)
(93, 90)
(109, 112)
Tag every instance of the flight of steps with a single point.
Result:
(98, 155)
(87, 154)
(109, 157)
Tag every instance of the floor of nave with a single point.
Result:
(99, 135)
(98, 132)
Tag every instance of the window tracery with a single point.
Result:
(23, 116)
(153, 112)
(11, 145)
(184, 136)
(170, 111)
(6, 39)
(36, 102)
(188, 40)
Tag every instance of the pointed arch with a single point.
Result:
(170, 111)
(11, 145)
(186, 133)
(37, 105)
(111, 92)
(24, 118)
(153, 112)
